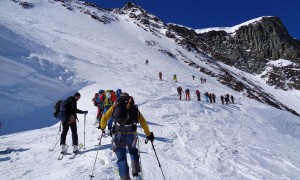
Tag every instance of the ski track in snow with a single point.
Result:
(194, 140)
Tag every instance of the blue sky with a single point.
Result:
(199, 14)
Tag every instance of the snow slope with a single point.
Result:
(49, 52)
(229, 29)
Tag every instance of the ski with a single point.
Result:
(77, 152)
(61, 156)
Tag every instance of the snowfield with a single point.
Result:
(49, 52)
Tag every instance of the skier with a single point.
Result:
(107, 100)
(210, 97)
(193, 77)
(174, 78)
(179, 90)
(187, 95)
(201, 79)
(213, 96)
(206, 96)
(70, 112)
(227, 98)
(198, 95)
(125, 116)
(99, 104)
(222, 99)
(146, 62)
(160, 75)
(232, 99)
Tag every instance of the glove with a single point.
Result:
(150, 137)
(85, 112)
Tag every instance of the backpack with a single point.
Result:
(95, 100)
(107, 101)
(125, 112)
(118, 93)
(113, 96)
(187, 91)
(59, 110)
(179, 89)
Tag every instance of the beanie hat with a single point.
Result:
(77, 94)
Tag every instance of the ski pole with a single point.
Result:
(146, 141)
(54, 145)
(59, 127)
(56, 137)
(84, 131)
(96, 156)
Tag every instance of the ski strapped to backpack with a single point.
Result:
(59, 110)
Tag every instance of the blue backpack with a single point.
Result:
(118, 93)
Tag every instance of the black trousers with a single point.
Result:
(64, 133)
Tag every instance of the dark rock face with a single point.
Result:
(102, 15)
(283, 77)
(26, 5)
(271, 38)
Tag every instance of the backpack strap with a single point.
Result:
(128, 103)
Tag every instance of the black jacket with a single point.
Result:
(71, 107)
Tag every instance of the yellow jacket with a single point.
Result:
(109, 114)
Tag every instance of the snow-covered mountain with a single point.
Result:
(51, 49)
(251, 46)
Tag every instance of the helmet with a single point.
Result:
(108, 95)
(101, 91)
